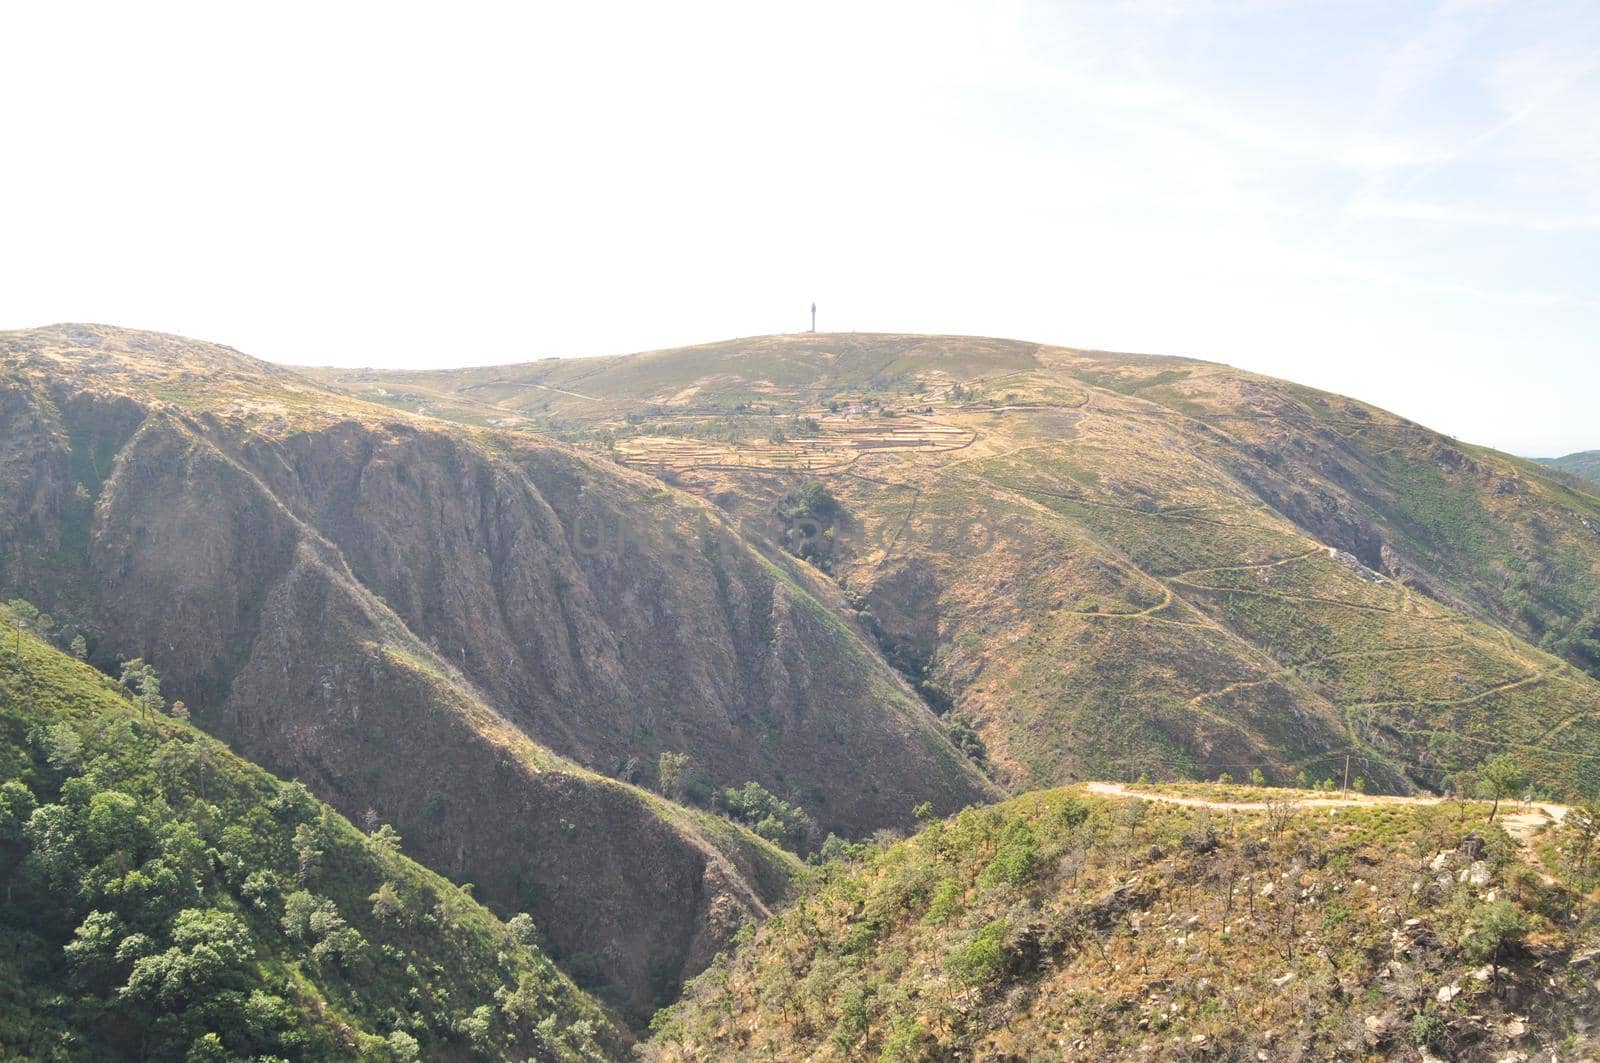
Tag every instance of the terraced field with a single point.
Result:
(1114, 565)
(838, 443)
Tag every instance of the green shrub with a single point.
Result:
(983, 959)
(1490, 928)
(772, 818)
(1013, 862)
(1428, 1029)
(946, 902)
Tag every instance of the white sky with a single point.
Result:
(1396, 201)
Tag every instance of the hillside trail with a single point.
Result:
(1523, 821)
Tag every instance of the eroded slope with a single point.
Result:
(409, 617)
(1116, 564)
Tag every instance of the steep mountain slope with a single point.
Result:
(1584, 463)
(160, 897)
(1117, 564)
(421, 620)
(1064, 926)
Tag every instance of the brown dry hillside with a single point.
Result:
(1119, 564)
(1064, 925)
(462, 630)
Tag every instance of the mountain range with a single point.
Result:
(620, 642)
(1110, 565)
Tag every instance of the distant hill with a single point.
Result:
(1105, 565)
(1584, 463)
(166, 900)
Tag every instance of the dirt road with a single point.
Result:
(1524, 823)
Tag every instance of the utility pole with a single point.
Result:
(813, 317)
(1346, 791)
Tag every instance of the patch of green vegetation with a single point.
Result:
(1585, 464)
(164, 899)
(1443, 512)
(1126, 927)
(810, 517)
(768, 816)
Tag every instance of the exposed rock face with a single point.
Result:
(611, 620)
(405, 616)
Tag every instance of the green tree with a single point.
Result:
(772, 818)
(271, 1023)
(54, 851)
(114, 825)
(133, 670)
(1464, 786)
(523, 929)
(965, 738)
(298, 908)
(387, 907)
(833, 848)
(1490, 929)
(16, 806)
(983, 958)
(1582, 828)
(1014, 859)
(674, 772)
(60, 746)
(80, 647)
(92, 952)
(208, 1048)
(209, 951)
(27, 617)
(403, 1047)
(310, 843)
(1428, 1029)
(1501, 777)
(150, 701)
(386, 838)
(478, 1028)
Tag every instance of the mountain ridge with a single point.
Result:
(264, 542)
(1073, 450)
(863, 574)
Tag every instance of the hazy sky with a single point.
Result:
(1396, 201)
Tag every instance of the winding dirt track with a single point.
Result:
(1522, 822)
